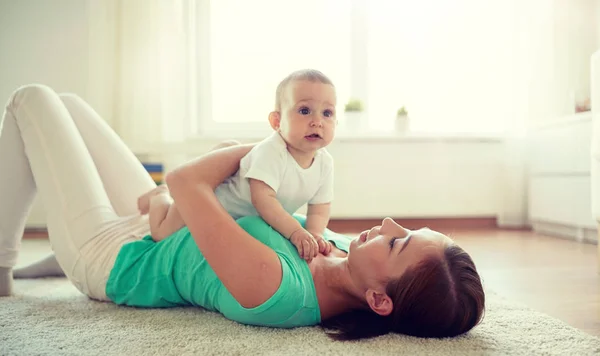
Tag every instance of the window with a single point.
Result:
(253, 45)
(450, 63)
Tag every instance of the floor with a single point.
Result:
(556, 276)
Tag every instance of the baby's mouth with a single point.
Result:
(313, 136)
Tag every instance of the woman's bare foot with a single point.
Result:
(6, 281)
(47, 267)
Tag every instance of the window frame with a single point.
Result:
(201, 119)
(202, 123)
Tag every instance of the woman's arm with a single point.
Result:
(250, 270)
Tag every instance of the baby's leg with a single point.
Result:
(43, 151)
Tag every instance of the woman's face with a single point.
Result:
(384, 252)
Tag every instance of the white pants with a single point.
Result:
(88, 180)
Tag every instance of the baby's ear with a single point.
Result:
(275, 120)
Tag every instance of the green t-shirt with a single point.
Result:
(173, 272)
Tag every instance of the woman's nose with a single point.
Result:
(388, 224)
(389, 221)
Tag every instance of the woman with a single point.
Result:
(388, 279)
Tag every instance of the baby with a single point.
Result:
(285, 171)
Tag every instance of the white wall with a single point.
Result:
(597, 12)
(405, 177)
(559, 200)
(58, 44)
(575, 41)
(45, 42)
(55, 43)
(557, 42)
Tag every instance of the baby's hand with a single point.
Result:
(144, 200)
(324, 245)
(305, 243)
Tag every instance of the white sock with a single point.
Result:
(6, 281)
(48, 267)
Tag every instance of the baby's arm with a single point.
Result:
(266, 204)
(317, 218)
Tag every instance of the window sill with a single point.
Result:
(199, 142)
(563, 121)
(369, 136)
(392, 136)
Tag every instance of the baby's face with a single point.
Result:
(308, 117)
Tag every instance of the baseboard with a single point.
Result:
(35, 233)
(357, 225)
(440, 224)
(575, 233)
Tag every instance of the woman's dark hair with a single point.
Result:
(439, 297)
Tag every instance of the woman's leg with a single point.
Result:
(129, 167)
(122, 174)
(41, 149)
(17, 191)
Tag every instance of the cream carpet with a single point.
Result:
(49, 316)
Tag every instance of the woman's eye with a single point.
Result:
(304, 111)
(328, 113)
(392, 242)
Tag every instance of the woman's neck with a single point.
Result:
(336, 292)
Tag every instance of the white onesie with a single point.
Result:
(270, 162)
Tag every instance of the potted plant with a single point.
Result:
(353, 112)
(401, 122)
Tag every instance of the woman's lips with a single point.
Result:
(363, 236)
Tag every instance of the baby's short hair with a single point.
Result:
(312, 75)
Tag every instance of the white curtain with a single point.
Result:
(139, 72)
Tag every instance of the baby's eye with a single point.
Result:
(328, 113)
(304, 111)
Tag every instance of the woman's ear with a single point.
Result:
(275, 120)
(379, 302)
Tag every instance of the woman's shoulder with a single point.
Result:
(265, 233)
(295, 302)
(255, 226)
